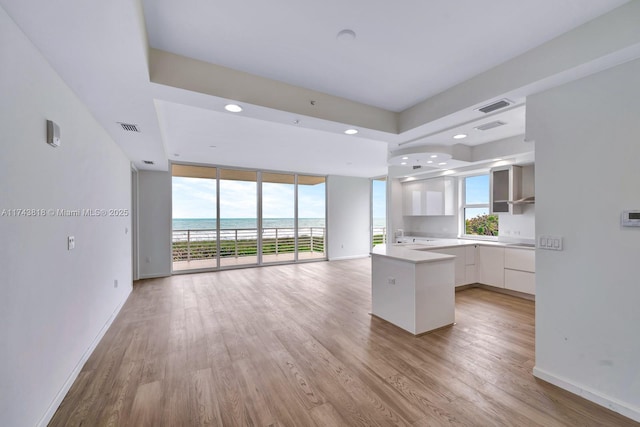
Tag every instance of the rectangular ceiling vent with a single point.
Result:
(417, 167)
(490, 125)
(147, 162)
(129, 127)
(495, 106)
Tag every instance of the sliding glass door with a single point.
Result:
(238, 217)
(311, 230)
(378, 211)
(194, 224)
(278, 217)
(225, 217)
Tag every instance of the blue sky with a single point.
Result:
(196, 198)
(477, 190)
(379, 198)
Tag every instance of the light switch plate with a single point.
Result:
(550, 243)
(71, 242)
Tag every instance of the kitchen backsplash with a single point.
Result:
(512, 227)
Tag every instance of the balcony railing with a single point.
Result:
(191, 245)
(379, 235)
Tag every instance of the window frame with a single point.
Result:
(463, 206)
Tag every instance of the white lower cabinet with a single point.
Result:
(465, 274)
(491, 266)
(460, 267)
(520, 259)
(519, 270)
(521, 281)
(509, 268)
(471, 270)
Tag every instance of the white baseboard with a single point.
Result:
(621, 408)
(152, 276)
(46, 418)
(342, 258)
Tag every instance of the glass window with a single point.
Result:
(378, 211)
(238, 222)
(232, 217)
(278, 217)
(311, 217)
(478, 221)
(194, 229)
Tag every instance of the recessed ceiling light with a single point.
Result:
(429, 161)
(233, 108)
(460, 136)
(434, 156)
(351, 131)
(405, 158)
(403, 163)
(442, 163)
(496, 160)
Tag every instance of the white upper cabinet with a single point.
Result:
(430, 197)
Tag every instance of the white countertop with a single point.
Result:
(419, 249)
(407, 254)
(429, 243)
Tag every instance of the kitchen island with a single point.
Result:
(412, 289)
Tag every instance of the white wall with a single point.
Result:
(54, 303)
(518, 227)
(588, 295)
(154, 227)
(432, 226)
(348, 217)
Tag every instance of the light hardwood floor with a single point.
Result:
(294, 345)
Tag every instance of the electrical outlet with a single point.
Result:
(71, 242)
(391, 281)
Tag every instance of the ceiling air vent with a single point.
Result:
(495, 106)
(490, 125)
(147, 162)
(129, 127)
(417, 167)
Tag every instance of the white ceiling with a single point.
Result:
(403, 54)
(215, 137)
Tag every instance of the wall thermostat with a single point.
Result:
(53, 134)
(631, 218)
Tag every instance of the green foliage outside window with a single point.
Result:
(483, 225)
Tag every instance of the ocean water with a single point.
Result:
(239, 223)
